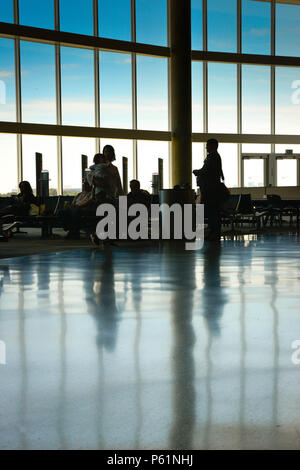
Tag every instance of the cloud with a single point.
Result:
(6, 74)
(259, 32)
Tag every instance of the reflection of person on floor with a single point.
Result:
(82, 204)
(214, 298)
(102, 302)
(208, 179)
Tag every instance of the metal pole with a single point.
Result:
(161, 173)
(38, 171)
(125, 174)
(84, 164)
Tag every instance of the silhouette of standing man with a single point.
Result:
(208, 179)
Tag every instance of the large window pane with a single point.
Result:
(287, 29)
(152, 93)
(256, 27)
(197, 31)
(197, 96)
(221, 25)
(115, 90)
(76, 16)
(151, 22)
(148, 155)
(7, 81)
(256, 98)
(287, 172)
(253, 173)
(77, 84)
(229, 155)
(8, 160)
(120, 26)
(47, 146)
(222, 98)
(72, 149)
(37, 13)
(6, 11)
(287, 100)
(38, 82)
(123, 148)
(197, 160)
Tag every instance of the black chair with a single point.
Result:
(247, 213)
(278, 209)
(229, 210)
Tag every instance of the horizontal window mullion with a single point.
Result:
(28, 33)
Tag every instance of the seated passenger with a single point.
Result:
(82, 204)
(138, 195)
(22, 202)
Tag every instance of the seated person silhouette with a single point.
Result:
(138, 195)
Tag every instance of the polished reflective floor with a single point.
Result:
(149, 348)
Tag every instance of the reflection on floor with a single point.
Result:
(152, 348)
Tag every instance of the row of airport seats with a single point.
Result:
(262, 206)
(285, 192)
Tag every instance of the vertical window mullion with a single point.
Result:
(239, 86)
(18, 92)
(58, 100)
(134, 87)
(96, 73)
(205, 72)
